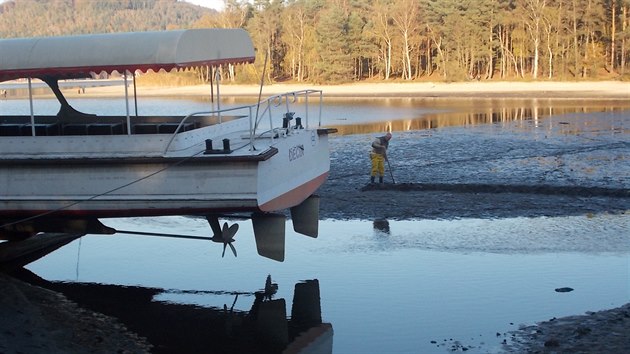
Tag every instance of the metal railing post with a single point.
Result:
(30, 101)
(321, 106)
(251, 130)
(127, 104)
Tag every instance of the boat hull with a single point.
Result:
(277, 178)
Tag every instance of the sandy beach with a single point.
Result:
(544, 89)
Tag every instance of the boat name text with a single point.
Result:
(296, 152)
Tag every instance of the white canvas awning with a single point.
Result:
(78, 56)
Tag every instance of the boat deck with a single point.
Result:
(103, 125)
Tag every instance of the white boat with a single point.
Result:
(63, 173)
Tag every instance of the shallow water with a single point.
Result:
(427, 285)
(470, 280)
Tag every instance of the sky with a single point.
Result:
(213, 4)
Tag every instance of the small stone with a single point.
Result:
(563, 290)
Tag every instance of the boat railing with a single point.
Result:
(285, 102)
(290, 99)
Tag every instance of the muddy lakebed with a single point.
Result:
(484, 214)
(572, 164)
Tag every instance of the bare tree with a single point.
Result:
(534, 10)
(382, 29)
(406, 19)
(294, 26)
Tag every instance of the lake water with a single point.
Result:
(414, 286)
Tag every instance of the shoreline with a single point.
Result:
(495, 89)
(603, 89)
(611, 89)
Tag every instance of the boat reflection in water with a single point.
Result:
(182, 327)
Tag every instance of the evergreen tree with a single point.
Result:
(335, 64)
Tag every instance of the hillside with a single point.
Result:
(32, 18)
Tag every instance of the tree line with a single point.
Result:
(350, 40)
(335, 41)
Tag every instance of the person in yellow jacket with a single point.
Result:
(378, 156)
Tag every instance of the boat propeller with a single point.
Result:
(223, 235)
(226, 236)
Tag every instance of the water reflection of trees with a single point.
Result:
(467, 116)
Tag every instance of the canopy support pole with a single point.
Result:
(30, 102)
(211, 75)
(127, 103)
(135, 95)
(219, 94)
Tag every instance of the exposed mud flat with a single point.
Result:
(567, 166)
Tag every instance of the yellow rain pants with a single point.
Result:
(378, 164)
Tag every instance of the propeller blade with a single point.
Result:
(233, 249)
(231, 232)
(224, 230)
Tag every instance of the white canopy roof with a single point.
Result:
(77, 56)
